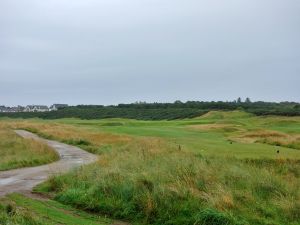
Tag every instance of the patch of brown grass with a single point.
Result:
(265, 134)
(225, 202)
(270, 137)
(216, 126)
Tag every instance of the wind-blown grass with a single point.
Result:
(17, 152)
(153, 182)
(94, 142)
(272, 138)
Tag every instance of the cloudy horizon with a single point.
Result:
(110, 52)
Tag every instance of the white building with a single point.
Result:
(36, 108)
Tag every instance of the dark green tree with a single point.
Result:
(248, 100)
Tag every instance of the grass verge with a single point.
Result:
(17, 152)
(16, 209)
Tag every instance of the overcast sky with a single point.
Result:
(119, 51)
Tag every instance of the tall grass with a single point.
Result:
(17, 152)
(94, 142)
(276, 138)
(154, 182)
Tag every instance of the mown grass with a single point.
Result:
(16, 209)
(17, 152)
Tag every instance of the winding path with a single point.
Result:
(24, 179)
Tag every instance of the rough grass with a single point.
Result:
(217, 127)
(94, 142)
(17, 152)
(272, 138)
(218, 115)
(153, 182)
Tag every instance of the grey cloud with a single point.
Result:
(106, 52)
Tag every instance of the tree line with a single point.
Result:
(163, 111)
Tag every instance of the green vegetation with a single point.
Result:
(228, 168)
(226, 134)
(152, 182)
(17, 152)
(163, 111)
(19, 210)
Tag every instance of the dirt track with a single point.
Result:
(23, 180)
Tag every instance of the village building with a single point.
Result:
(36, 108)
(31, 108)
(2, 108)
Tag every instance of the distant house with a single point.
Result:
(2, 108)
(9, 109)
(36, 108)
(20, 108)
(55, 107)
(17, 109)
(31, 108)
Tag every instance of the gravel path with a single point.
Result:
(24, 179)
